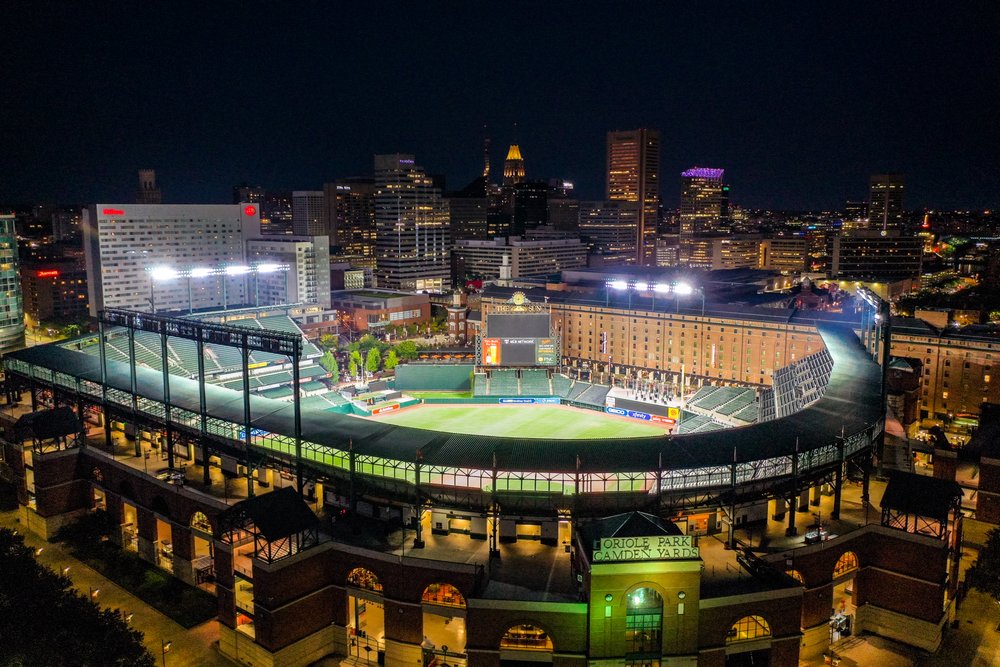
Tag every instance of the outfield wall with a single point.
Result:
(427, 377)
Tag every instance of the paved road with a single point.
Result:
(194, 647)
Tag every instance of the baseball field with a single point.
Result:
(534, 421)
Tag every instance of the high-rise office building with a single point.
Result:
(468, 210)
(513, 167)
(276, 216)
(610, 228)
(11, 302)
(530, 208)
(633, 175)
(251, 194)
(885, 202)
(413, 239)
(167, 257)
(350, 205)
(309, 213)
(704, 201)
(148, 192)
(876, 254)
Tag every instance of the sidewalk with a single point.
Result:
(194, 647)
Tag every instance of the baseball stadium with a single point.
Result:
(527, 502)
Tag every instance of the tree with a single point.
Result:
(391, 360)
(353, 368)
(45, 622)
(328, 341)
(373, 361)
(357, 359)
(406, 350)
(329, 362)
(984, 575)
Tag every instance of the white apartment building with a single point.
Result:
(167, 257)
(307, 278)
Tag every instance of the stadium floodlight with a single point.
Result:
(200, 272)
(660, 288)
(618, 285)
(237, 270)
(268, 268)
(160, 273)
(683, 289)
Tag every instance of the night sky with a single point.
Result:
(799, 103)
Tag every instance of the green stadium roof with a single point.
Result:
(851, 403)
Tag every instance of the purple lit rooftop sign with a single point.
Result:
(704, 172)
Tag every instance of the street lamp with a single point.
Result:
(165, 649)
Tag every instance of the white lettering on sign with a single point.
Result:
(657, 547)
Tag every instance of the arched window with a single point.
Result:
(200, 522)
(796, 575)
(847, 563)
(748, 628)
(360, 577)
(526, 638)
(443, 594)
(643, 621)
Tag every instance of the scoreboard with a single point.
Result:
(519, 339)
(499, 351)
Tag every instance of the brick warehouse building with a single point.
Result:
(506, 581)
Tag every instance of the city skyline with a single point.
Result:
(799, 105)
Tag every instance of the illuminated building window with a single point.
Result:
(526, 638)
(796, 575)
(443, 594)
(360, 577)
(643, 621)
(847, 563)
(748, 628)
(201, 522)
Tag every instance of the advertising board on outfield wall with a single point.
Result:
(635, 414)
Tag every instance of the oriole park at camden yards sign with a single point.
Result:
(657, 547)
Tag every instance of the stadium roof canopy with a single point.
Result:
(850, 404)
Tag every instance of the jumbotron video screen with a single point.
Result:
(519, 339)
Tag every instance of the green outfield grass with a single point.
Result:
(526, 421)
(439, 394)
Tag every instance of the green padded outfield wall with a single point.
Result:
(431, 377)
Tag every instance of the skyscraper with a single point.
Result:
(11, 301)
(885, 202)
(633, 175)
(412, 227)
(276, 216)
(149, 191)
(704, 201)
(309, 213)
(513, 167)
(350, 204)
